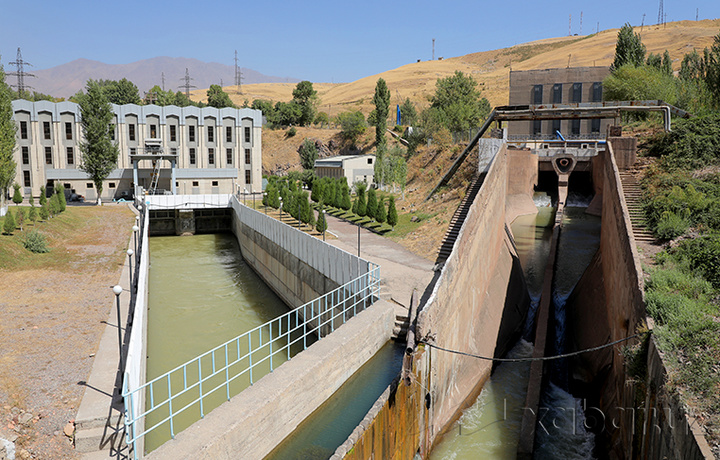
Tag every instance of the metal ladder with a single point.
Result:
(155, 177)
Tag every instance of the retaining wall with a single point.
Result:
(297, 266)
(640, 419)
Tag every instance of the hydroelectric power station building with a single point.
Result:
(170, 149)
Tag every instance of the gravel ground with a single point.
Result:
(51, 320)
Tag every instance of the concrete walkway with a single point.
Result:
(401, 271)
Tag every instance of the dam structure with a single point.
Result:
(468, 316)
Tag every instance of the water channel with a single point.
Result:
(490, 428)
(202, 294)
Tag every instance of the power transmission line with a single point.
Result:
(20, 73)
(238, 76)
(661, 15)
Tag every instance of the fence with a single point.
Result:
(203, 383)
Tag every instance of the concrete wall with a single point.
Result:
(255, 421)
(608, 305)
(297, 266)
(478, 306)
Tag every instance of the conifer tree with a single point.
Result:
(43, 196)
(321, 224)
(17, 196)
(33, 214)
(381, 215)
(371, 204)
(9, 223)
(392, 216)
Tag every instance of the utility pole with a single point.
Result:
(697, 11)
(162, 75)
(581, 13)
(570, 26)
(238, 76)
(20, 74)
(433, 50)
(187, 84)
(642, 24)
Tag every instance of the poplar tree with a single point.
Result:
(381, 99)
(99, 152)
(629, 48)
(7, 138)
(371, 204)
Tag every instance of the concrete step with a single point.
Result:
(100, 439)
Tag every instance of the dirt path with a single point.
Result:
(52, 313)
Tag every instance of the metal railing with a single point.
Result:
(203, 383)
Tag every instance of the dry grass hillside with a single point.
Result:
(490, 68)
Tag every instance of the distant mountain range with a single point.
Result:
(67, 79)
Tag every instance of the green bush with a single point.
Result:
(691, 144)
(703, 256)
(291, 132)
(35, 241)
(9, 223)
(671, 226)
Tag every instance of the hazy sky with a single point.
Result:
(321, 41)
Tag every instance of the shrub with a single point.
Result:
(17, 196)
(9, 223)
(671, 225)
(35, 241)
(44, 212)
(291, 132)
(392, 216)
(33, 214)
(43, 196)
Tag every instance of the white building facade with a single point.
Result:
(355, 168)
(203, 150)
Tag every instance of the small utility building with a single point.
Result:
(354, 168)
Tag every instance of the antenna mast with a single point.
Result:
(570, 26)
(20, 74)
(661, 15)
(187, 84)
(581, 13)
(162, 76)
(238, 76)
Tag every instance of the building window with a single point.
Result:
(133, 150)
(247, 156)
(247, 135)
(214, 183)
(193, 160)
(577, 92)
(557, 93)
(173, 151)
(88, 185)
(196, 183)
(112, 132)
(173, 133)
(555, 127)
(111, 185)
(229, 153)
(25, 155)
(597, 92)
(23, 130)
(595, 125)
(575, 127)
(228, 134)
(70, 156)
(68, 130)
(537, 94)
(369, 161)
(211, 133)
(26, 179)
(191, 133)
(211, 156)
(153, 131)
(46, 129)
(48, 155)
(537, 127)
(248, 179)
(131, 131)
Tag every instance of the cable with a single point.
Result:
(543, 358)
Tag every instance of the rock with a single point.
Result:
(414, 219)
(25, 418)
(23, 454)
(69, 429)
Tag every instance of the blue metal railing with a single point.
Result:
(238, 363)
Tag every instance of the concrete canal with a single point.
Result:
(491, 426)
(202, 294)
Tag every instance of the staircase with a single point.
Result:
(402, 324)
(155, 177)
(457, 221)
(633, 195)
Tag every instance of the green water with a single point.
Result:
(201, 295)
(331, 424)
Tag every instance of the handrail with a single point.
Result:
(237, 357)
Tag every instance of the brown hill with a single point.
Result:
(490, 68)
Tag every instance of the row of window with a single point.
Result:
(191, 133)
(211, 156)
(574, 126)
(111, 185)
(47, 132)
(70, 152)
(575, 93)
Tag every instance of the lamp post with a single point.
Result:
(265, 201)
(117, 290)
(325, 220)
(253, 194)
(281, 209)
(358, 225)
(135, 233)
(130, 253)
